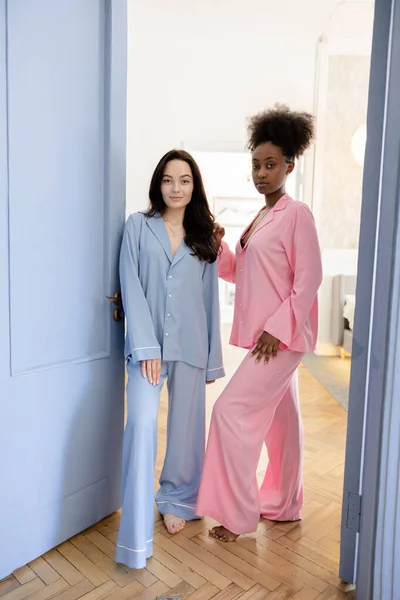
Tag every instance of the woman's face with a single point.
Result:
(269, 168)
(177, 184)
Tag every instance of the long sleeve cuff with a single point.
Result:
(145, 353)
(217, 373)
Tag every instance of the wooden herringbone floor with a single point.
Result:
(296, 561)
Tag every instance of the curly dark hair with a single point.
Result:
(198, 221)
(292, 131)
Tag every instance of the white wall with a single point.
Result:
(341, 106)
(197, 70)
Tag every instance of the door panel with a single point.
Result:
(62, 211)
(56, 140)
(370, 317)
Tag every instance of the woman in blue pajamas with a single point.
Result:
(169, 281)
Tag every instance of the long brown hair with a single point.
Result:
(198, 221)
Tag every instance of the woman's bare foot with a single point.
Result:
(173, 523)
(222, 534)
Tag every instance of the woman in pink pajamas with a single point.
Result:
(277, 270)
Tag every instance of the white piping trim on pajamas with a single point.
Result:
(130, 549)
(217, 369)
(146, 348)
(174, 504)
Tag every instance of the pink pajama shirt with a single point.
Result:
(277, 276)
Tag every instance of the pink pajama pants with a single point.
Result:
(259, 404)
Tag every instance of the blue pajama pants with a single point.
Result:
(180, 477)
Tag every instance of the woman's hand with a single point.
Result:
(210, 382)
(152, 370)
(219, 233)
(267, 346)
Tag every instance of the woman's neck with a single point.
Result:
(273, 198)
(174, 216)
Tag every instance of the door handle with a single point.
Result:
(118, 313)
(116, 299)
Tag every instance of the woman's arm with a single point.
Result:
(215, 369)
(140, 330)
(227, 264)
(304, 254)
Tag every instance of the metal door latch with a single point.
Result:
(118, 313)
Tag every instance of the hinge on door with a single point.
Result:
(354, 512)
